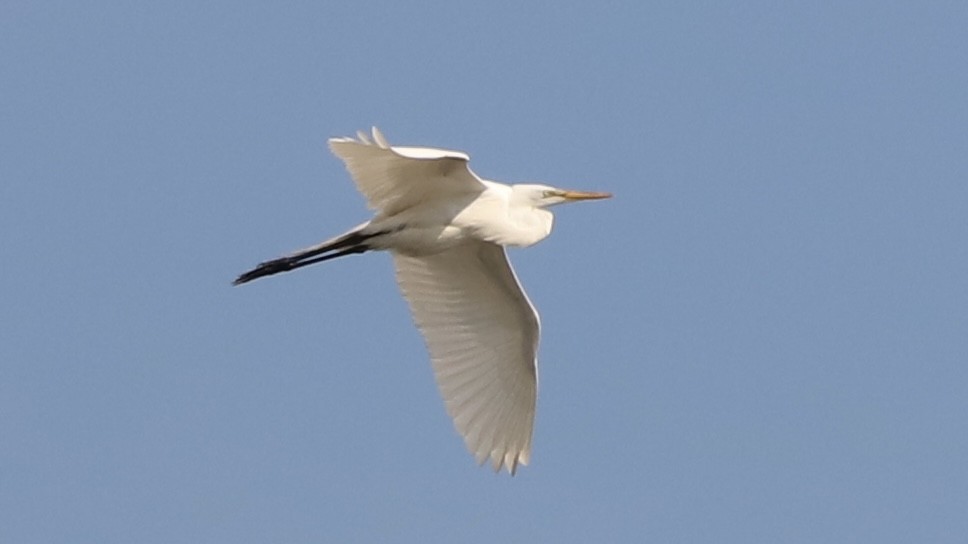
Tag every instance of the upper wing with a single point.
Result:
(482, 334)
(394, 178)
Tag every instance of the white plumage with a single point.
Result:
(446, 229)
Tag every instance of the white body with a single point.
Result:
(435, 225)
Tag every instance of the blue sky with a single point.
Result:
(761, 338)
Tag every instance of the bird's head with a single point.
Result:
(543, 196)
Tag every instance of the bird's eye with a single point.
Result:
(549, 193)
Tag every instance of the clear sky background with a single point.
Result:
(762, 338)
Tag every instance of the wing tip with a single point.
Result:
(377, 139)
(509, 461)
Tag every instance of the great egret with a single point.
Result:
(446, 229)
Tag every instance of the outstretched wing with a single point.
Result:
(482, 333)
(394, 178)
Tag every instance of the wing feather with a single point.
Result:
(393, 179)
(482, 333)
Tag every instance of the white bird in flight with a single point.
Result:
(446, 229)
